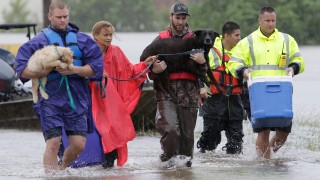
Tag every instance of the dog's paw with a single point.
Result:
(45, 96)
(35, 99)
(63, 65)
(70, 66)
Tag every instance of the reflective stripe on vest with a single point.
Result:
(224, 79)
(267, 67)
(71, 42)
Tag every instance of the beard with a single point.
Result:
(178, 29)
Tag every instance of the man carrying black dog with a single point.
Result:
(176, 120)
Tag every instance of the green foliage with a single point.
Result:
(17, 13)
(126, 16)
(213, 14)
(298, 18)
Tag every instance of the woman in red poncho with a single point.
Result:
(112, 113)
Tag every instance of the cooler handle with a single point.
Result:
(273, 88)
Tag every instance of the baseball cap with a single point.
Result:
(179, 8)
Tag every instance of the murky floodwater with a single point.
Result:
(21, 157)
(21, 151)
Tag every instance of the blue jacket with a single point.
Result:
(78, 86)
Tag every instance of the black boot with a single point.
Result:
(234, 144)
(109, 159)
(189, 163)
(209, 140)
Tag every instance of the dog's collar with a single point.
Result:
(60, 56)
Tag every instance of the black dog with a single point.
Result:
(174, 52)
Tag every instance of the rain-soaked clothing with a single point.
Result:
(118, 66)
(112, 113)
(112, 120)
(221, 112)
(251, 53)
(57, 111)
(224, 109)
(176, 120)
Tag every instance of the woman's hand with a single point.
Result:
(150, 60)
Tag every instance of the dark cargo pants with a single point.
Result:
(176, 126)
(176, 119)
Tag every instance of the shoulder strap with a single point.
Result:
(188, 34)
(72, 43)
(52, 37)
(164, 34)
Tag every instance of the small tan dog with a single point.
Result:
(48, 57)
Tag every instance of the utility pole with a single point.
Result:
(45, 9)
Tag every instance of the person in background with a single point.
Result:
(267, 52)
(223, 110)
(176, 120)
(56, 113)
(112, 114)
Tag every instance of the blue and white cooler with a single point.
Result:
(270, 101)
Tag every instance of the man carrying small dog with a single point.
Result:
(176, 120)
(56, 113)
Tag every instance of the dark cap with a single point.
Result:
(179, 8)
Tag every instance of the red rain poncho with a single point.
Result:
(112, 113)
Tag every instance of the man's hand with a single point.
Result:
(204, 93)
(159, 66)
(46, 71)
(246, 73)
(198, 58)
(289, 71)
(150, 60)
(66, 71)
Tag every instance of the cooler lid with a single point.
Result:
(269, 79)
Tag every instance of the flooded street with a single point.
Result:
(21, 151)
(21, 158)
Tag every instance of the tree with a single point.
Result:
(17, 13)
(129, 16)
(294, 17)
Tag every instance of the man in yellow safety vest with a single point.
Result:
(267, 52)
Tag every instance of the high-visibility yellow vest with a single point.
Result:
(267, 56)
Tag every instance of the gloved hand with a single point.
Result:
(289, 71)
